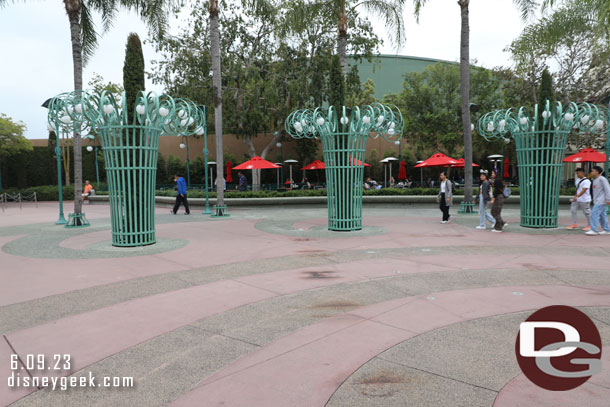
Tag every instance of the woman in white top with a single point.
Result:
(445, 197)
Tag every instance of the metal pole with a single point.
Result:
(205, 160)
(97, 171)
(282, 160)
(62, 219)
(278, 178)
(188, 168)
(290, 175)
(608, 151)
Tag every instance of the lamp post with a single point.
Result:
(212, 163)
(278, 174)
(399, 144)
(97, 170)
(281, 147)
(62, 219)
(183, 145)
(389, 160)
(495, 159)
(207, 210)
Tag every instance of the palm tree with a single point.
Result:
(390, 11)
(526, 7)
(217, 95)
(84, 41)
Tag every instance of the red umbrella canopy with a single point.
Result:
(402, 172)
(316, 165)
(437, 160)
(355, 161)
(229, 176)
(256, 163)
(506, 173)
(461, 164)
(588, 155)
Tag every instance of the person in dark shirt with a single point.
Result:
(243, 182)
(497, 202)
(181, 196)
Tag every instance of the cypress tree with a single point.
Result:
(336, 93)
(133, 72)
(545, 92)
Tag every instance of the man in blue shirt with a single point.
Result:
(181, 197)
(243, 182)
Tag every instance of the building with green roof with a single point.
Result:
(387, 71)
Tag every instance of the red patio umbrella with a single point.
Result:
(229, 176)
(256, 163)
(358, 162)
(461, 164)
(506, 164)
(437, 160)
(315, 165)
(587, 155)
(402, 172)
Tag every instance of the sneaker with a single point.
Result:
(187, 213)
(603, 232)
(586, 228)
(172, 212)
(591, 233)
(493, 225)
(572, 227)
(481, 227)
(443, 222)
(504, 226)
(496, 231)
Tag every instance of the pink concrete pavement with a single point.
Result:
(314, 361)
(520, 392)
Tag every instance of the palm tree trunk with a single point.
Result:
(77, 60)
(465, 93)
(217, 91)
(342, 38)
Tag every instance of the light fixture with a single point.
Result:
(278, 144)
(344, 120)
(182, 145)
(163, 111)
(108, 109)
(78, 108)
(523, 121)
(89, 148)
(199, 131)
(545, 114)
(380, 119)
(320, 121)
(182, 114)
(140, 109)
(366, 120)
(569, 116)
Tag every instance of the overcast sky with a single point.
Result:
(37, 62)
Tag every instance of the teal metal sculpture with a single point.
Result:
(344, 135)
(541, 141)
(130, 149)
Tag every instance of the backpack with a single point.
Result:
(452, 188)
(506, 192)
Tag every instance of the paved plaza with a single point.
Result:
(267, 308)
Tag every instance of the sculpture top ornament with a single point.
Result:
(374, 120)
(581, 117)
(89, 111)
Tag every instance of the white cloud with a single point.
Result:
(37, 59)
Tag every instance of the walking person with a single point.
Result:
(581, 200)
(243, 182)
(445, 197)
(497, 202)
(484, 200)
(181, 196)
(601, 198)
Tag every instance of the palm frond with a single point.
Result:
(88, 33)
(391, 13)
(418, 4)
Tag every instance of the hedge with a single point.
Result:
(49, 192)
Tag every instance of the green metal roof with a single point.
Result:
(387, 71)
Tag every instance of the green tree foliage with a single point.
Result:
(133, 72)
(430, 103)
(12, 140)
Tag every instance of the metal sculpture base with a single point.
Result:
(220, 211)
(77, 220)
(61, 220)
(467, 208)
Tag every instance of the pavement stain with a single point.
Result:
(336, 304)
(320, 274)
(382, 384)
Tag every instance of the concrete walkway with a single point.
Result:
(267, 308)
